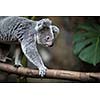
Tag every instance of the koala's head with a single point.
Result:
(46, 32)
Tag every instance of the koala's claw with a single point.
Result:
(42, 71)
(18, 65)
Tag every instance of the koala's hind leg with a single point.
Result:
(17, 57)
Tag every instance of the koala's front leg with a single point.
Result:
(30, 50)
(17, 57)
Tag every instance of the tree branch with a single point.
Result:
(51, 73)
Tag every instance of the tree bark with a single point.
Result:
(51, 73)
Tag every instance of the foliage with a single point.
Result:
(87, 43)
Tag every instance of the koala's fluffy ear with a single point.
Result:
(46, 22)
(55, 30)
(43, 23)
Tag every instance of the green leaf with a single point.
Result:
(81, 36)
(87, 27)
(87, 45)
(91, 54)
(81, 45)
(24, 61)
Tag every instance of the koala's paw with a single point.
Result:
(18, 64)
(42, 71)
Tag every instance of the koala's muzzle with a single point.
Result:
(50, 44)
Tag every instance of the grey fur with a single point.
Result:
(14, 29)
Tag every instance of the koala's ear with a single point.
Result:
(46, 22)
(43, 23)
(55, 30)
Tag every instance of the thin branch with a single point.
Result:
(51, 73)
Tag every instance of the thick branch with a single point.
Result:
(51, 73)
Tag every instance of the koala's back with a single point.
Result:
(9, 25)
(3, 17)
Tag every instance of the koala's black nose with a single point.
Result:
(47, 38)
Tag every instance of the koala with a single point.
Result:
(26, 34)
